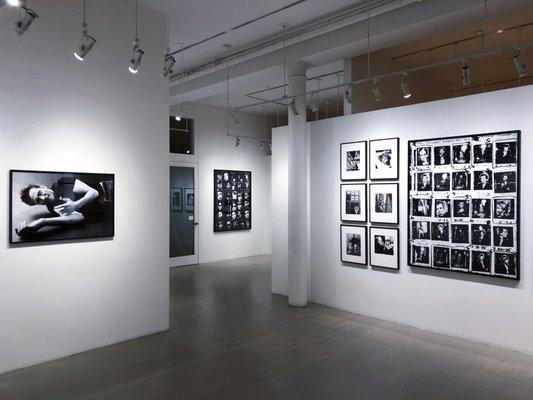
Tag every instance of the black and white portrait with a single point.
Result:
(505, 182)
(384, 203)
(461, 154)
(504, 209)
(423, 156)
(440, 231)
(503, 236)
(421, 207)
(60, 206)
(420, 255)
(353, 161)
(353, 202)
(481, 262)
(441, 181)
(481, 234)
(384, 250)
(441, 257)
(384, 245)
(505, 264)
(423, 182)
(461, 208)
(505, 153)
(420, 230)
(442, 155)
(460, 233)
(442, 208)
(233, 203)
(483, 153)
(353, 244)
(481, 208)
(384, 159)
(461, 180)
(460, 259)
(483, 180)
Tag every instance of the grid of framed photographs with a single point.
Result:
(464, 201)
(382, 203)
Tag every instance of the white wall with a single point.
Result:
(482, 309)
(217, 151)
(58, 114)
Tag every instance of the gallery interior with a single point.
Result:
(249, 199)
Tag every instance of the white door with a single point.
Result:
(183, 214)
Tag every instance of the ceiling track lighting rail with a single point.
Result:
(459, 60)
(257, 139)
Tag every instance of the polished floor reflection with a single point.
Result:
(231, 339)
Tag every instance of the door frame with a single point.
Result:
(192, 259)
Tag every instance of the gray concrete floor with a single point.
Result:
(231, 339)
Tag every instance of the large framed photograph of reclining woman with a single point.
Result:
(47, 205)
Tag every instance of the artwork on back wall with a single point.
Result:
(232, 200)
(189, 200)
(384, 207)
(464, 201)
(353, 202)
(384, 159)
(176, 201)
(385, 247)
(353, 244)
(353, 161)
(48, 206)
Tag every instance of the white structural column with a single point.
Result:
(298, 229)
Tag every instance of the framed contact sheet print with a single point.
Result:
(464, 204)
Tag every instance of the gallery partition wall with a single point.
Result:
(457, 196)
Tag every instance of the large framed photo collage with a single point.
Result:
(464, 204)
(376, 202)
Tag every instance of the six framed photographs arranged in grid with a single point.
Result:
(385, 247)
(354, 244)
(464, 197)
(353, 202)
(384, 159)
(353, 161)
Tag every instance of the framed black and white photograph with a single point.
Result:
(385, 247)
(232, 200)
(383, 200)
(353, 202)
(176, 199)
(353, 161)
(384, 159)
(48, 205)
(354, 244)
(464, 204)
(189, 200)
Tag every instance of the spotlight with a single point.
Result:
(87, 43)
(312, 103)
(294, 110)
(169, 63)
(27, 16)
(14, 3)
(136, 57)
(262, 146)
(520, 64)
(405, 87)
(235, 117)
(178, 117)
(465, 73)
(237, 142)
(376, 92)
(348, 95)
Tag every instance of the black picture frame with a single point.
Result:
(228, 195)
(468, 164)
(365, 163)
(397, 246)
(365, 228)
(396, 167)
(173, 192)
(108, 194)
(397, 221)
(342, 203)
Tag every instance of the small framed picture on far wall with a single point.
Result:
(384, 159)
(385, 247)
(353, 161)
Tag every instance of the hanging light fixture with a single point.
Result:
(26, 18)
(294, 110)
(237, 141)
(87, 41)
(465, 73)
(312, 103)
(168, 63)
(235, 117)
(520, 64)
(376, 92)
(136, 52)
(227, 46)
(14, 3)
(405, 87)
(348, 94)
(262, 146)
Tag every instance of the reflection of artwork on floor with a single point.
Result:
(60, 206)
(176, 203)
(233, 200)
(464, 204)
